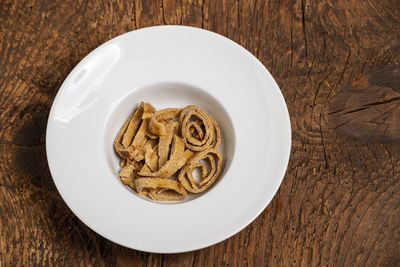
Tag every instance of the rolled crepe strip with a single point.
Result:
(156, 145)
(210, 163)
(160, 188)
(198, 129)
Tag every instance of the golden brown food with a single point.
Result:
(165, 142)
(211, 157)
(160, 188)
(198, 129)
(176, 161)
(125, 136)
(157, 121)
(160, 149)
(126, 175)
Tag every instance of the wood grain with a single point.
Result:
(369, 107)
(339, 204)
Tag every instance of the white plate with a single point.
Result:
(169, 66)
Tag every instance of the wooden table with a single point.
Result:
(337, 64)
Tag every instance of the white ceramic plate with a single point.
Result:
(168, 66)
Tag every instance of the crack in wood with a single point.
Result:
(162, 12)
(331, 179)
(304, 29)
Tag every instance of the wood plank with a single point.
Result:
(339, 201)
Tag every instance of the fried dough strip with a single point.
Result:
(152, 150)
(198, 129)
(195, 130)
(145, 168)
(214, 159)
(151, 159)
(124, 138)
(126, 175)
(161, 189)
(137, 167)
(175, 162)
(165, 143)
(123, 162)
(148, 111)
(156, 125)
(140, 138)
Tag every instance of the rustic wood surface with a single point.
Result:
(337, 64)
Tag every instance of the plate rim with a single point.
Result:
(254, 59)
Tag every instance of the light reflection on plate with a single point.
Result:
(168, 66)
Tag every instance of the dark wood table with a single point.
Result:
(337, 64)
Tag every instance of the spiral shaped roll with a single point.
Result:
(210, 163)
(198, 129)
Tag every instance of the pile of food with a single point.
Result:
(160, 150)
